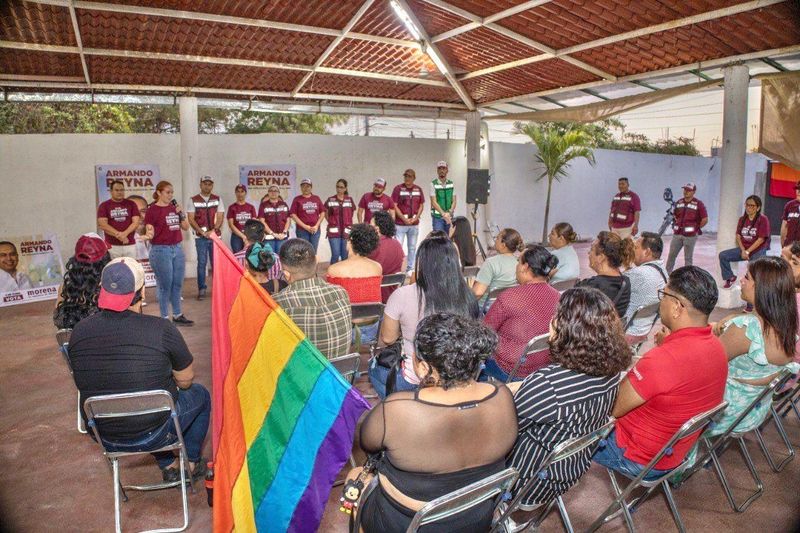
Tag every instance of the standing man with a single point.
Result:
(409, 200)
(625, 207)
(119, 218)
(790, 221)
(10, 279)
(443, 199)
(690, 216)
(205, 216)
(375, 201)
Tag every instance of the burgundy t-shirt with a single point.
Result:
(166, 224)
(308, 209)
(407, 201)
(120, 216)
(688, 216)
(751, 230)
(241, 213)
(372, 204)
(791, 215)
(623, 209)
(389, 254)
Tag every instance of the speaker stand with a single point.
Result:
(475, 238)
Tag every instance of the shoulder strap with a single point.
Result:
(661, 272)
(625, 283)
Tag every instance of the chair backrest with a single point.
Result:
(561, 286)
(537, 344)
(128, 404)
(347, 365)
(62, 337)
(367, 310)
(497, 291)
(470, 271)
(644, 311)
(465, 498)
(391, 280)
(764, 396)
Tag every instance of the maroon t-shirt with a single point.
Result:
(688, 216)
(339, 216)
(371, 204)
(120, 216)
(240, 213)
(407, 202)
(275, 215)
(308, 209)
(390, 255)
(624, 207)
(751, 230)
(791, 215)
(166, 224)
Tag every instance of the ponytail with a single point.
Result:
(259, 257)
(618, 251)
(539, 260)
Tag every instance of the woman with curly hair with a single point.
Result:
(359, 275)
(77, 297)
(428, 436)
(608, 254)
(573, 395)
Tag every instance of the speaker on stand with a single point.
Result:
(478, 188)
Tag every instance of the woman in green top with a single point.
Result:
(500, 271)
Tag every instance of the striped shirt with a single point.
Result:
(555, 404)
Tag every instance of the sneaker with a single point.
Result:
(729, 282)
(181, 320)
(201, 294)
(172, 474)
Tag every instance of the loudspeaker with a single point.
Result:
(478, 183)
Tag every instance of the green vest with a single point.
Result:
(444, 196)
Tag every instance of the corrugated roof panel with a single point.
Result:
(40, 63)
(482, 48)
(35, 23)
(355, 54)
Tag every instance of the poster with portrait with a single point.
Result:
(31, 269)
(258, 178)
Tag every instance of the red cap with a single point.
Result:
(90, 248)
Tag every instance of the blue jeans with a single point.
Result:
(379, 374)
(493, 370)
(276, 244)
(732, 255)
(237, 243)
(169, 264)
(410, 233)
(440, 224)
(612, 456)
(313, 238)
(205, 254)
(338, 249)
(194, 411)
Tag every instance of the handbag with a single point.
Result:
(391, 357)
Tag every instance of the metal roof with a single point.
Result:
(494, 53)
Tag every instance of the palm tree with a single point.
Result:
(557, 149)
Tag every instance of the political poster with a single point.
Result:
(258, 178)
(31, 269)
(139, 180)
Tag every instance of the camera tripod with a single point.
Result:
(669, 217)
(475, 238)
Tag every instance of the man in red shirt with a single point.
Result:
(409, 200)
(389, 252)
(119, 218)
(375, 201)
(690, 216)
(682, 377)
(790, 221)
(625, 208)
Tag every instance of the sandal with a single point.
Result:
(172, 474)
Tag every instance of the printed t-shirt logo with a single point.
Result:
(310, 207)
(119, 214)
(242, 216)
(173, 222)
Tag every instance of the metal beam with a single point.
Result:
(645, 85)
(33, 77)
(552, 101)
(595, 94)
(331, 47)
(79, 41)
(774, 64)
(514, 10)
(699, 74)
(504, 66)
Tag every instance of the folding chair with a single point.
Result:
(347, 365)
(131, 405)
(492, 296)
(561, 286)
(641, 312)
(470, 272)
(393, 280)
(62, 338)
(690, 427)
(563, 451)
(778, 399)
(536, 344)
(492, 487)
(365, 314)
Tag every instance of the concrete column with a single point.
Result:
(189, 170)
(734, 149)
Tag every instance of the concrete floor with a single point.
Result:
(54, 478)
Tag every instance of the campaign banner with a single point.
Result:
(139, 180)
(31, 269)
(258, 178)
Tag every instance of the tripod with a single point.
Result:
(667, 222)
(475, 238)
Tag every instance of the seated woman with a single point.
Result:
(77, 297)
(561, 238)
(500, 271)
(439, 287)
(461, 235)
(260, 259)
(521, 313)
(573, 395)
(428, 435)
(359, 275)
(610, 252)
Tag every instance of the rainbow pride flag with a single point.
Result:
(283, 417)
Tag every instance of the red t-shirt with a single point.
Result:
(751, 230)
(623, 208)
(308, 209)
(240, 213)
(688, 216)
(275, 215)
(372, 204)
(682, 378)
(390, 255)
(791, 215)
(166, 223)
(120, 217)
(407, 202)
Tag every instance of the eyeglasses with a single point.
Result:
(341, 187)
(662, 293)
(750, 205)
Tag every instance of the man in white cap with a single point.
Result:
(375, 201)
(443, 199)
(119, 350)
(206, 215)
(690, 216)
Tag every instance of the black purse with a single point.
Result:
(391, 357)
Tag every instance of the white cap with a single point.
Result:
(380, 182)
(306, 181)
(441, 164)
(207, 178)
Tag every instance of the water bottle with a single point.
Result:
(209, 482)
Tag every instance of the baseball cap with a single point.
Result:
(207, 178)
(380, 182)
(271, 187)
(441, 164)
(119, 282)
(691, 186)
(240, 187)
(90, 248)
(306, 181)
